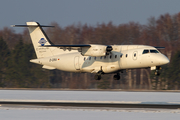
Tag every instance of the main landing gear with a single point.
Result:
(98, 76)
(116, 77)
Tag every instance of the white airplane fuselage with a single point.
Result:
(122, 57)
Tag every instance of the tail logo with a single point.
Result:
(42, 41)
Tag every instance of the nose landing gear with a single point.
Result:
(157, 71)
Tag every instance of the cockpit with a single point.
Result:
(150, 51)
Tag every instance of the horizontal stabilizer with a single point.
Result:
(30, 26)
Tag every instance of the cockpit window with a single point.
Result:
(154, 51)
(150, 51)
(145, 51)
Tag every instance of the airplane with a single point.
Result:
(92, 58)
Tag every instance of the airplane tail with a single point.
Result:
(39, 39)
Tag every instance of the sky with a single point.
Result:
(91, 12)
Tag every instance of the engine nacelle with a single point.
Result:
(96, 50)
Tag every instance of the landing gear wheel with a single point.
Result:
(157, 73)
(97, 77)
(116, 77)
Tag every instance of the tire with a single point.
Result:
(116, 77)
(97, 77)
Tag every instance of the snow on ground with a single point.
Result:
(90, 95)
(68, 113)
(86, 114)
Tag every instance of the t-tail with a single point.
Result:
(39, 39)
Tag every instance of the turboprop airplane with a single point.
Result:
(92, 58)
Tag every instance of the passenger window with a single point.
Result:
(115, 56)
(104, 57)
(101, 57)
(121, 56)
(94, 58)
(126, 55)
(134, 54)
(110, 56)
(154, 51)
(145, 51)
(89, 58)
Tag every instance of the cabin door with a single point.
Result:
(76, 63)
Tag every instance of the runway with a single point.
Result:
(77, 105)
(98, 99)
(93, 104)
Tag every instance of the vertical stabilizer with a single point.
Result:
(39, 39)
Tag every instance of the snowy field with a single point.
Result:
(85, 114)
(90, 95)
(67, 113)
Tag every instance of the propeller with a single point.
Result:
(108, 49)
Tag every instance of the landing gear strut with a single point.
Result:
(116, 77)
(98, 74)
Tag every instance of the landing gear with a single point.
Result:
(98, 74)
(116, 77)
(97, 77)
(157, 72)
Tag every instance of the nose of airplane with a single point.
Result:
(164, 60)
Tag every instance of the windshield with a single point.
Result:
(154, 51)
(150, 51)
(145, 51)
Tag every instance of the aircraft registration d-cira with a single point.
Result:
(92, 58)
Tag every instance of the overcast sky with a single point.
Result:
(68, 12)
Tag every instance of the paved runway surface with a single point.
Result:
(101, 104)
(91, 95)
(55, 110)
(113, 99)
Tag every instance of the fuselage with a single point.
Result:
(122, 57)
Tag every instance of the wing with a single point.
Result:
(69, 47)
(86, 50)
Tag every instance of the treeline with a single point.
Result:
(16, 50)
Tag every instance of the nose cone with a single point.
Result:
(164, 60)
